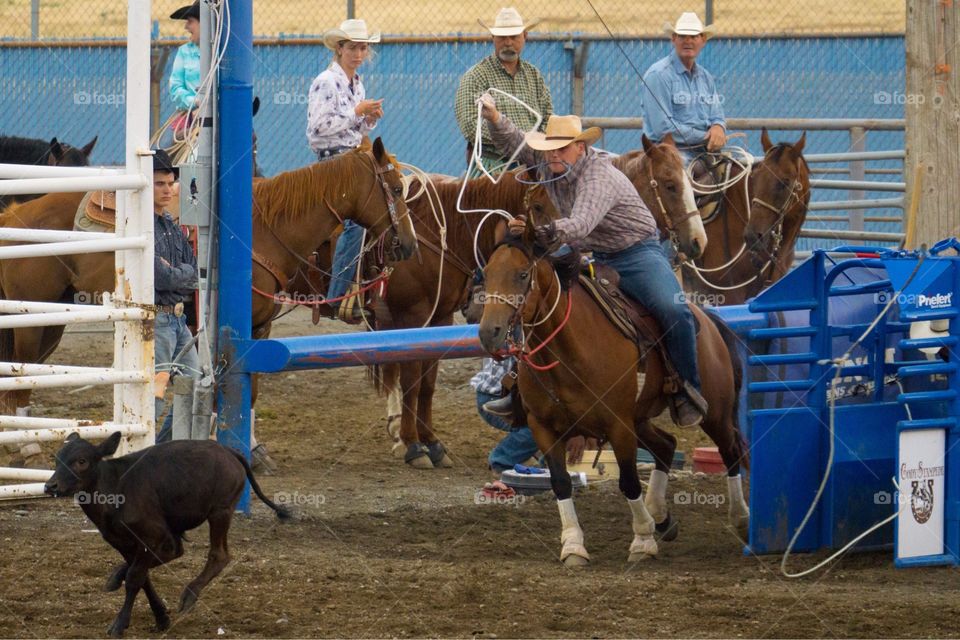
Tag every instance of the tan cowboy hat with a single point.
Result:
(352, 30)
(688, 24)
(561, 131)
(929, 329)
(508, 23)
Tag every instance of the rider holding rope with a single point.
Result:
(602, 212)
(680, 97)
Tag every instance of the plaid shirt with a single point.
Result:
(599, 207)
(488, 379)
(527, 85)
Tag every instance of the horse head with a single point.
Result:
(64, 155)
(780, 184)
(658, 175)
(388, 215)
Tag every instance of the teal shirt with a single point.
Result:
(185, 77)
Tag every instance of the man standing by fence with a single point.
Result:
(503, 70)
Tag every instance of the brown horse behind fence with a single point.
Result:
(751, 242)
(292, 212)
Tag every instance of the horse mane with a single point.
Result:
(16, 150)
(294, 194)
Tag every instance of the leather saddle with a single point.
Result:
(97, 212)
(630, 317)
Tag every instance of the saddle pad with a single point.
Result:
(97, 212)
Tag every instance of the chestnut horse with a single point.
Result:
(762, 216)
(291, 213)
(578, 376)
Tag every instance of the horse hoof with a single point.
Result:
(575, 561)
(438, 456)
(639, 556)
(398, 449)
(668, 529)
(418, 456)
(116, 630)
(187, 600)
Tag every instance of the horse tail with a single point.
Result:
(375, 377)
(732, 342)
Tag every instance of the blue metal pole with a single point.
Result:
(235, 193)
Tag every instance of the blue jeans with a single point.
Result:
(171, 335)
(646, 276)
(345, 260)
(516, 447)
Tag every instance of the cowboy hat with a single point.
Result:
(688, 24)
(189, 11)
(352, 30)
(162, 162)
(508, 23)
(561, 131)
(929, 329)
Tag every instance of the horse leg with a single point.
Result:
(416, 453)
(624, 443)
(726, 436)
(428, 385)
(572, 552)
(662, 446)
(390, 383)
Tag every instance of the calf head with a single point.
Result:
(77, 463)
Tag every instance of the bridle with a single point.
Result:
(669, 223)
(794, 196)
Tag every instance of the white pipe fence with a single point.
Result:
(132, 373)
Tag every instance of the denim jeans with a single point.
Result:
(171, 335)
(515, 448)
(646, 276)
(345, 260)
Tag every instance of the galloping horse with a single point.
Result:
(578, 376)
(763, 217)
(14, 150)
(717, 357)
(292, 212)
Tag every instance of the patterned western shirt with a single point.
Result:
(599, 207)
(185, 77)
(176, 280)
(526, 84)
(489, 379)
(690, 96)
(332, 120)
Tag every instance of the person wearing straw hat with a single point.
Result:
(339, 115)
(601, 212)
(185, 76)
(680, 96)
(506, 71)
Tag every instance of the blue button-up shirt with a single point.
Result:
(185, 77)
(690, 96)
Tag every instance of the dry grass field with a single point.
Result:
(107, 18)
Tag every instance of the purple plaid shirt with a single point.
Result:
(600, 209)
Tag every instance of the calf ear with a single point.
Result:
(109, 446)
(73, 436)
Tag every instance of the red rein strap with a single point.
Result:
(526, 357)
(381, 279)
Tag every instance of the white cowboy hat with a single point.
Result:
(561, 131)
(929, 329)
(688, 24)
(352, 30)
(508, 23)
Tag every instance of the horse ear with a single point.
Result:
(668, 139)
(648, 145)
(87, 149)
(378, 151)
(799, 144)
(56, 151)
(765, 140)
(256, 104)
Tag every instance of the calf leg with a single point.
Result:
(135, 579)
(115, 580)
(217, 558)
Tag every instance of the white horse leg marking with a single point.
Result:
(739, 513)
(571, 535)
(656, 500)
(643, 545)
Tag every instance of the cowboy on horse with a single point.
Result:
(601, 211)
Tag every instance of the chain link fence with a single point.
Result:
(62, 68)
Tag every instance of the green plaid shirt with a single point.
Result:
(527, 85)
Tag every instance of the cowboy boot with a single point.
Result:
(502, 407)
(687, 407)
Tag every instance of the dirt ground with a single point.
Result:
(381, 550)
